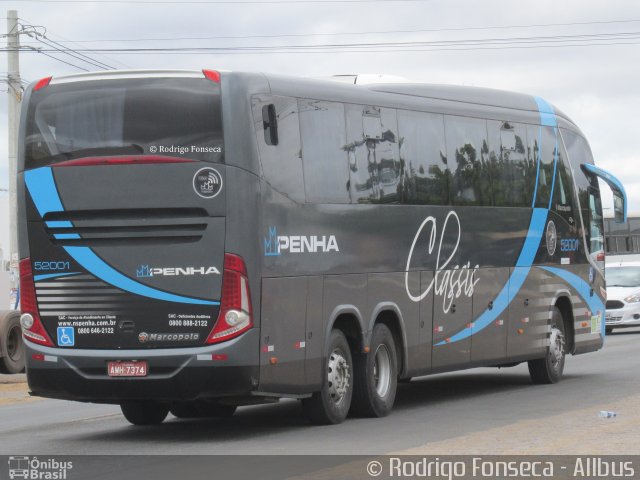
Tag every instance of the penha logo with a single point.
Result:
(275, 245)
(207, 182)
(551, 237)
(145, 271)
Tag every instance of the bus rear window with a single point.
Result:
(175, 117)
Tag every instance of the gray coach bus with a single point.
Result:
(195, 241)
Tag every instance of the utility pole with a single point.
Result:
(15, 96)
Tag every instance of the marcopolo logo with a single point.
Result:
(275, 244)
(38, 469)
(145, 337)
(207, 182)
(145, 271)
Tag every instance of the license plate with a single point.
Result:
(127, 369)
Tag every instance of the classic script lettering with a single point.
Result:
(450, 282)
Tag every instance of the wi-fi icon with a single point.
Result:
(213, 178)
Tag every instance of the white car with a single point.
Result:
(623, 295)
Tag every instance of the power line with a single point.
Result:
(59, 59)
(49, 32)
(382, 32)
(500, 41)
(32, 31)
(227, 2)
(77, 57)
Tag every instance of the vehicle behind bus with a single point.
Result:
(196, 241)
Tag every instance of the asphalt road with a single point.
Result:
(429, 409)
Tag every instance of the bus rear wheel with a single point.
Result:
(550, 368)
(331, 405)
(144, 413)
(376, 376)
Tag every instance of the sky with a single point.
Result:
(595, 83)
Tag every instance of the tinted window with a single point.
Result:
(543, 143)
(324, 151)
(588, 190)
(563, 193)
(179, 117)
(511, 170)
(374, 159)
(281, 163)
(426, 176)
(468, 155)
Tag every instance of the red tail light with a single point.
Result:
(43, 82)
(600, 257)
(235, 315)
(28, 305)
(212, 75)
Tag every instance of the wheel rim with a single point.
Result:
(382, 370)
(338, 375)
(556, 348)
(14, 342)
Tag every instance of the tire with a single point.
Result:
(549, 369)
(11, 344)
(376, 376)
(331, 405)
(608, 330)
(144, 413)
(202, 410)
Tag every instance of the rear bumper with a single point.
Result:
(174, 374)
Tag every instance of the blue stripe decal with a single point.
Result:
(594, 302)
(43, 191)
(547, 114)
(516, 280)
(59, 224)
(37, 278)
(98, 267)
(66, 236)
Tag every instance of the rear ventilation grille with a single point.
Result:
(126, 227)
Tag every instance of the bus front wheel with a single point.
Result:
(549, 369)
(376, 375)
(331, 404)
(144, 413)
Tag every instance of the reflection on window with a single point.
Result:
(468, 154)
(281, 163)
(426, 176)
(325, 164)
(374, 159)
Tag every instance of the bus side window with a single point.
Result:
(281, 160)
(324, 157)
(426, 176)
(468, 155)
(374, 157)
(509, 169)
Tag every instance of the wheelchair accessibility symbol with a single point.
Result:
(66, 337)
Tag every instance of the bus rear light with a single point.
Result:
(43, 82)
(235, 315)
(212, 75)
(29, 307)
(122, 160)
